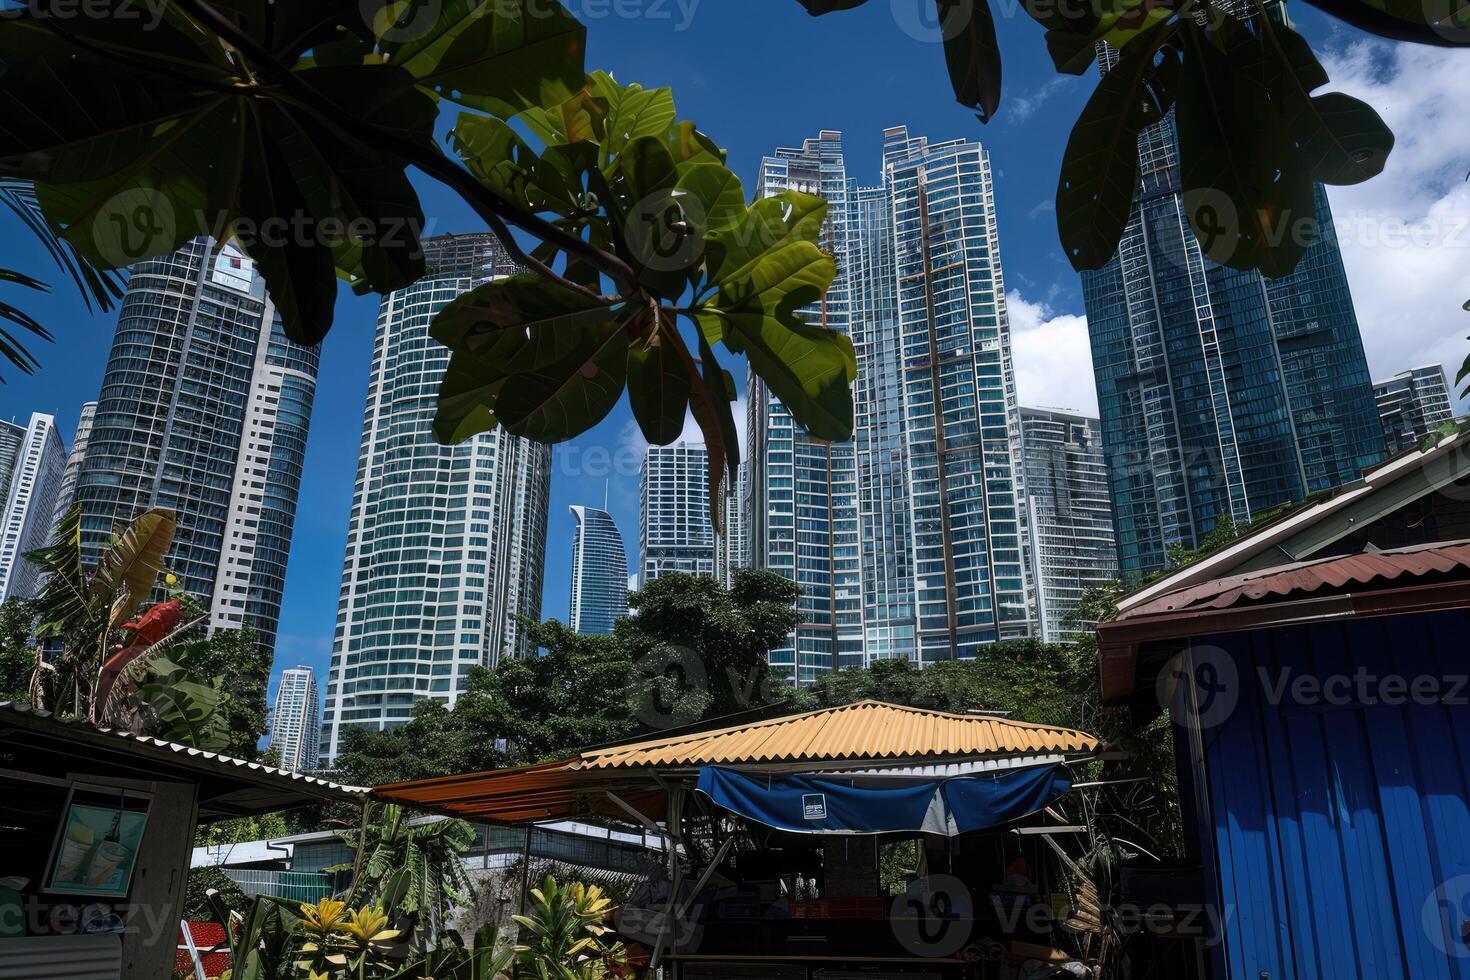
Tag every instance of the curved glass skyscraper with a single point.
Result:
(599, 572)
(204, 409)
(445, 544)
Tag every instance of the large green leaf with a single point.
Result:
(566, 381)
(127, 571)
(972, 53)
(1440, 22)
(1246, 196)
(808, 367)
(768, 224)
(1340, 139)
(502, 161)
(137, 165)
(525, 352)
(502, 57)
(1100, 166)
(658, 388)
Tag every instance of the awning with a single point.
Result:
(807, 804)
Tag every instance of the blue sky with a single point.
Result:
(756, 76)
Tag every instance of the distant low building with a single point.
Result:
(1411, 404)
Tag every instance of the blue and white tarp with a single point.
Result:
(830, 803)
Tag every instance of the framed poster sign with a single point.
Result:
(97, 843)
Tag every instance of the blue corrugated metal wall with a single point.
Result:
(1341, 834)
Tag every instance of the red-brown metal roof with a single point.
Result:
(1377, 583)
(1320, 577)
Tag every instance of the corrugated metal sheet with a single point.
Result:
(1322, 577)
(869, 731)
(865, 730)
(61, 958)
(1336, 837)
(218, 760)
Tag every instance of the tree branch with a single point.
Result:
(494, 209)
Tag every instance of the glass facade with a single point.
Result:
(296, 720)
(599, 572)
(34, 483)
(803, 505)
(204, 409)
(1411, 404)
(1069, 526)
(73, 469)
(960, 420)
(1222, 394)
(674, 531)
(445, 544)
(906, 541)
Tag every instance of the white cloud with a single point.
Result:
(1052, 356)
(631, 438)
(1022, 107)
(1406, 233)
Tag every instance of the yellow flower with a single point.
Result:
(325, 916)
(369, 925)
(170, 580)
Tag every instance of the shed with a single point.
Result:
(1322, 723)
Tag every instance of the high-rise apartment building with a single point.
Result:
(674, 529)
(599, 572)
(30, 498)
(69, 476)
(1412, 404)
(445, 544)
(906, 541)
(803, 506)
(296, 720)
(960, 420)
(1223, 394)
(732, 545)
(1069, 526)
(204, 410)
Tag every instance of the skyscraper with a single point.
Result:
(1222, 394)
(1069, 527)
(204, 410)
(34, 482)
(960, 421)
(803, 509)
(674, 530)
(732, 545)
(599, 572)
(906, 541)
(445, 544)
(1411, 404)
(73, 469)
(295, 720)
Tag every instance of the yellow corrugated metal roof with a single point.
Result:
(865, 730)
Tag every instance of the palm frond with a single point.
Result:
(100, 288)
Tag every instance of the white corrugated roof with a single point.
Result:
(199, 758)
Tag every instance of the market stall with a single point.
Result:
(96, 829)
(868, 840)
